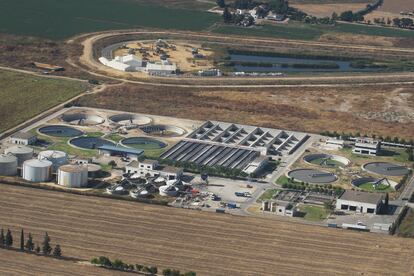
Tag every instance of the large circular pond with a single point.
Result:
(130, 119)
(385, 168)
(371, 184)
(312, 176)
(326, 160)
(163, 130)
(143, 143)
(90, 142)
(60, 131)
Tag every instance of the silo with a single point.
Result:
(58, 158)
(8, 165)
(73, 176)
(35, 170)
(22, 153)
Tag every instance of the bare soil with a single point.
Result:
(208, 243)
(380, 110)
(323, 10)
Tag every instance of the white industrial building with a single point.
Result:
(280, 208)
(359, 202)
(153, 168)
(210, 73)
(23, 138)
(131, 63)
(366, 146)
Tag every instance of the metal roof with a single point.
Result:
(359, 196)
(121, 149)
(23, 135)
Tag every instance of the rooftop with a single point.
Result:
(359, 196)
(22, 135)
(121, 149)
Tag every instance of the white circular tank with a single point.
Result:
(35, 170)
(168, 190)
(8, 165)
(22, 153)
(58, 158)
(73, 176)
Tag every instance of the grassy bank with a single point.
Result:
(24, 96)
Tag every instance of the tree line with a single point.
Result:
(7, 241)
(122, 266)
(347, 136)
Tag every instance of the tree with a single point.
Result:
(29, 243)
(153, 270)
(227, 17)
(2, 238)
(9, 239)
(57, 252)
(386, 200)
(190, 273)
(46, 248)
(112, 163)
(22, 240)
(279, 6)
(334, 16)
(139, 267)
(221, 3)
(347, 16)
(37, 250)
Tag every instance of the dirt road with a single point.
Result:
(208, 243)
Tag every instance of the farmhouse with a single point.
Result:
(360, 202)
(153, 168)
(23, 138)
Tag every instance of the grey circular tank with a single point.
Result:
(58, 158)
(35, 170)
(22, 153)
(8, 165)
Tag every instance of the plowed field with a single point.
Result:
(210, 244)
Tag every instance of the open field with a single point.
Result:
(23, 96)
(59, 20)
(210, 244)
(386, 110)
(323, 10)
(21, 264)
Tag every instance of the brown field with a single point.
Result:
(322, 10)
(21, 264)
(208, 243)
(384, 110)
(396, 6)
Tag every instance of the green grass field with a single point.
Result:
(297, 30)
(314, 213)
(23, 96)
(381, 188)
(57, 19)
(267, 195)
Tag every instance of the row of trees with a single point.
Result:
(324, 189)
(151, 270)
(6, 241)
(359, 15)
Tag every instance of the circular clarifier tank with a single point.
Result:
(163, 130)
(60, 131)
(130, 119)
(374, 184)
(385, 168)
(90, 142)
(82, 119)
(144, 143)
(326, 160)
(312, 176)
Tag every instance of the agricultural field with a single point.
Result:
(23, 96)
(387, 111)
(207, 243)
(59, 20)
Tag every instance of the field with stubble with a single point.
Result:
(380, 110)
(208, 243)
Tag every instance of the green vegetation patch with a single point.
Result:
(62, 19)
(314, 213)
(283, 180)
(380, 188)
(406, 228)
(267, 195)
(24, 96)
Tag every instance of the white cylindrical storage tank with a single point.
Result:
(8, 165)
(73, 176)
(58, 158)
(35, 170)
(22, 153)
